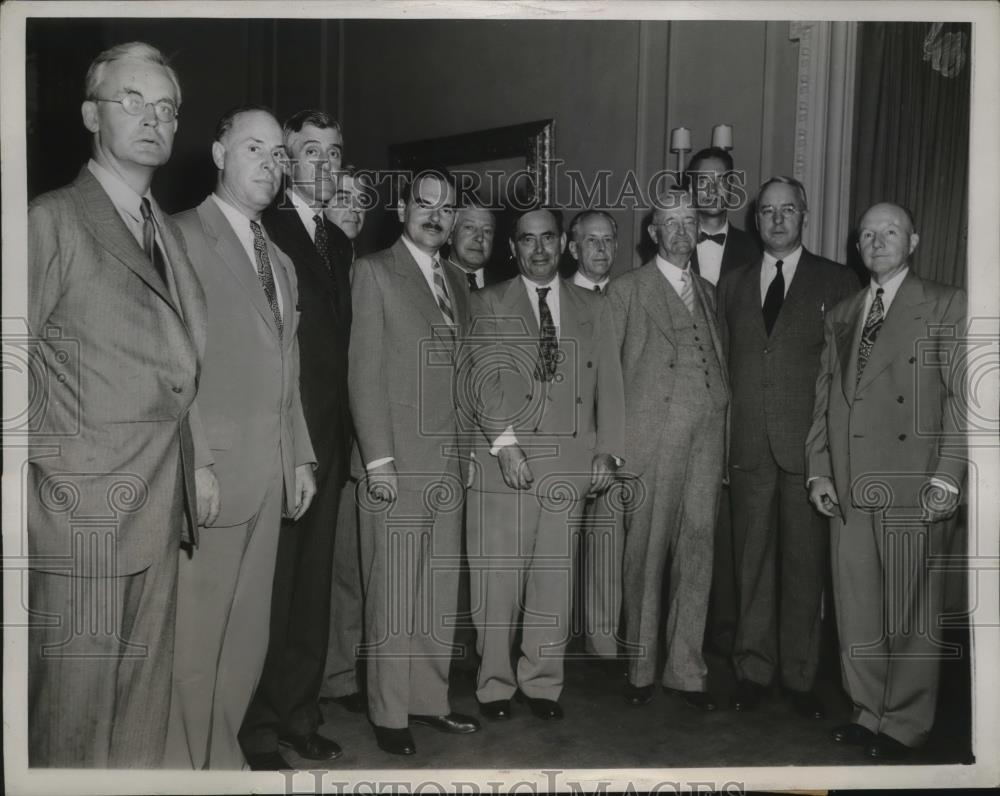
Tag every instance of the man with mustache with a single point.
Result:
(410, 313)
(257, 443)
(108, 278)
(285, 708)
(544, 386)
(676, 395)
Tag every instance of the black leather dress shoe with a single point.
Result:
(457, 723)
(268, 761)
(638, 694)
(497, 710)
(852, 735)
(885, 747)
(545, 709)
(702, 700)
(747, 695)
(807, 704)
(355, 703)
(312, 747)
(395, 742)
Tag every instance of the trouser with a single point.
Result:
(223, 606)
(602, 545)
(781, 547)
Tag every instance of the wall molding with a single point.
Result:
(824, 130)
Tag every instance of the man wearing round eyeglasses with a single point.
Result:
(676, 393)
(771, 314)
(119, 317)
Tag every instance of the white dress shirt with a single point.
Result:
(769, 270)
(306, 213)
(241, 226)
(889, 291)
(673, 274)
(710, 256)
(126, 202)
(586, 283)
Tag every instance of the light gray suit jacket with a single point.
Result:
(248, 399)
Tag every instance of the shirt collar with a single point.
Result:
(723, 231)
(582, 280)
(533, 286)
(424, 260)
(121, 195)
(789, 261)
(890, 288)
(666, 265)
(305, 212)
(239, 222)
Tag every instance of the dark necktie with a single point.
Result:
(548, 345)
(149, 240)
(322, 241)
(597, 289)
(873, 324)
(265, 274)
(472, 281)
(718, 237)
(774, 298)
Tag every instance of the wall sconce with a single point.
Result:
(680, 141)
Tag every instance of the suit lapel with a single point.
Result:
(406, 268)
(748, 299)
(653, 297)
(189, 291)
(904, 324)
(794, 297)
(517, 303)
(108, 229)
(848, 335)
(234, 257)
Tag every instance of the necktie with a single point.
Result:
(473, 285)
(322, 241)
(149, 240)
(441, 293)
(548, 345)
(718, 237)
(873, 324)
(265, 274)
(597, 289)
(687, 291)
(773, 298)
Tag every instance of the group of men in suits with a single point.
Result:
(260, 496)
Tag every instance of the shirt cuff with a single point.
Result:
(379, 462)
(505, 440)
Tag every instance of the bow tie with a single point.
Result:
(718, 237)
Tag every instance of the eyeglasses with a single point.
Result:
(785, 211)
(673, 225)
(135, 104)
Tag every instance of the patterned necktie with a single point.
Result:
(873, 324)
(473, 285)
(687, 292)
(265, 274)
(149, 240)
(548, 345)
(718, 237)
(441, 293)
(774, 298)
(322, 241)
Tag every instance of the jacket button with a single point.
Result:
(899, 399)
(912, 360)
(666, 399)
(590, 364)
(528, 396)
(902, 437)
(671, 364)
(536, 429)
(177, 389)
(579, 400)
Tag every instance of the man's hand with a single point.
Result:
(305, 489)
(514, 467)
(383, 483)
(823, 496)
(206, 487)
(937, 502)
(602, 473)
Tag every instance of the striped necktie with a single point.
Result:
(687, 292)
(441, 293)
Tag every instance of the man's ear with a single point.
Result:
(218, 155)
(88, 110)
(562, 243)
(914, 240)
(651, 230)
(401, 210)
(574, 250)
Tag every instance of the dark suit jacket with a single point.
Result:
(248, 398)
(324, 332)
(773, 379)
(402, 364)
(882, 438)
(121, 361)
(561, 424)
(741, 248)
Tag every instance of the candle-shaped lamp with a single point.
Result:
(680, 142)
(722, 136)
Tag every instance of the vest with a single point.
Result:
(698, 375)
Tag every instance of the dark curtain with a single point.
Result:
(912, 135)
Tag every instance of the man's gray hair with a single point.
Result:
(800, 189)
(138, 50)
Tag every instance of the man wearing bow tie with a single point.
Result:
(771, 316)
(886, 459)
(721, 246)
